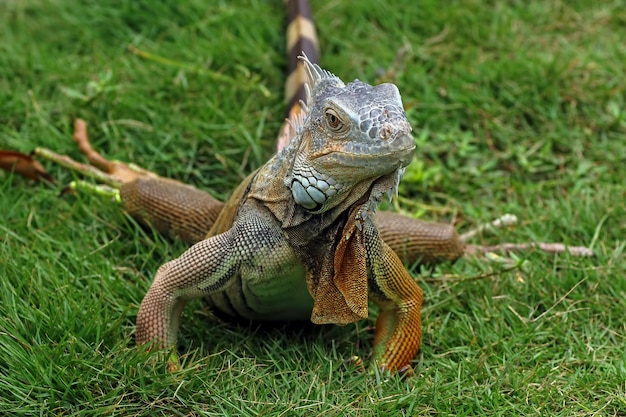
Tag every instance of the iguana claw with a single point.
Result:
(111, 173)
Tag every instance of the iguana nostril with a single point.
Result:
(386, 132)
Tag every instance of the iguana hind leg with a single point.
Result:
(430, 243)
(170, 206)
(415, 240)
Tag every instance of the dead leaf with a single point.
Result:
(23, 165)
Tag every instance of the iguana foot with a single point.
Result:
(353, 362)
(111, 173)
(173, 363)
(97, 189)
(170, 206)
(404, 372)
(510, 220)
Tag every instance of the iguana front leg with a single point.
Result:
(206, 267)
(252, 254)
(398, 327)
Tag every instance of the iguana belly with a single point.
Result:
(267, 291)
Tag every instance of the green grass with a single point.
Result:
(517, 107)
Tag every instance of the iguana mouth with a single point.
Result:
(375, 158)
(398, 142)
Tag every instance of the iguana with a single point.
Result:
(300, 238)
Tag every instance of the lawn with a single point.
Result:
(517, 107)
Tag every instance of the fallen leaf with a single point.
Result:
(23, 165)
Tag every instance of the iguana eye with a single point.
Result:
(334, 121)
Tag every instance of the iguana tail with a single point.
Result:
(301, 38)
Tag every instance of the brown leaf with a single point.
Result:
(23, 165)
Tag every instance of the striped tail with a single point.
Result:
(301, 37)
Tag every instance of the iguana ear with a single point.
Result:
(342, 298)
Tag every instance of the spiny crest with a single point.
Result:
(296, 122)
(317, 76)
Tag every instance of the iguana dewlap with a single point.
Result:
(298, 238)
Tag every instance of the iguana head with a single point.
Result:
(348, 137)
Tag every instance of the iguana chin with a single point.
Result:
(298, 239)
